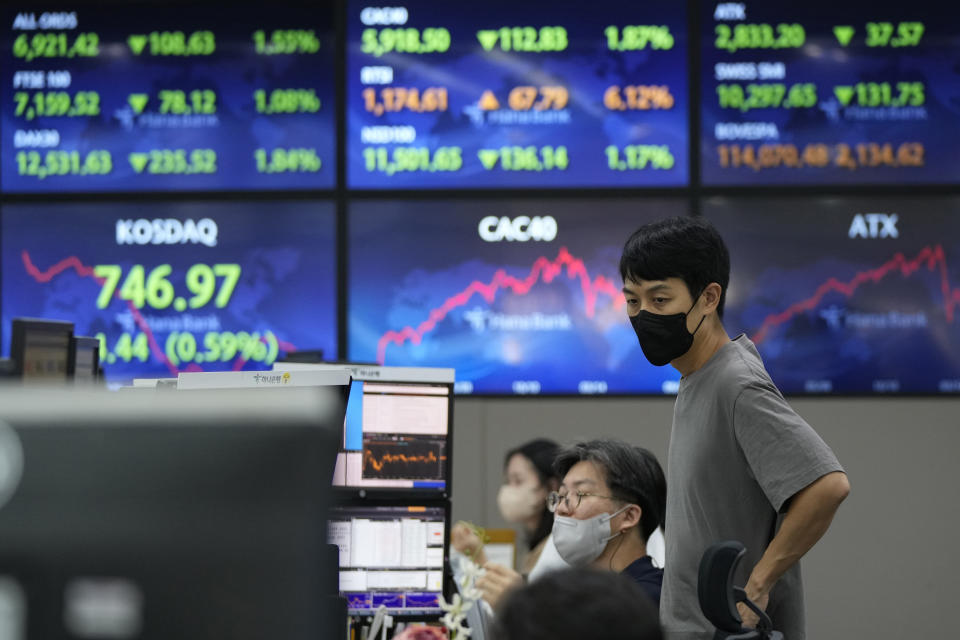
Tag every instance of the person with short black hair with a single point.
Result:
(574, 604)
(742, 465)
(611, 498)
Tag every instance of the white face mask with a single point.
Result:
(519, 504)
(580, 542)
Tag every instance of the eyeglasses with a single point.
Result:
(554, 499)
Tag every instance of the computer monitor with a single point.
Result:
(391, 555)
(40, 349)
(84, 363)
(174, 515)
(398, 431)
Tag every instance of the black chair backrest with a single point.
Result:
(715, 585)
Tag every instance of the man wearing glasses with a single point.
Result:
(612, 497)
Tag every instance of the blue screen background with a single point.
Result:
(842, 314)
(424, 262)
(587, 68)
(287, 284)
(234, 71)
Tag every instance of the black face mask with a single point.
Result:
(664, 338)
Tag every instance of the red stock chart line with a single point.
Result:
(932, 257)
(543, 270)
(85, 271)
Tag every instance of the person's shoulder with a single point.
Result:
(643, 570)
(735, 367)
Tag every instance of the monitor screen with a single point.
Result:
(517, 94)
(825, 92)
(391, 556)
(119, 96)
(396, 435)
(847, 295)
(166, 515)
(519, 296)
(170, 287)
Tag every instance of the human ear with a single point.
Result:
(711, 297)
(631, 517)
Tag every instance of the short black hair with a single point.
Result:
(572, 604)
(689, 248)
(541, 453)
(633, 474)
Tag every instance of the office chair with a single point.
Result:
(719, 598)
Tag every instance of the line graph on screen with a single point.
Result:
(543, 270)
(932, 257)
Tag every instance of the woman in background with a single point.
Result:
(528, 479)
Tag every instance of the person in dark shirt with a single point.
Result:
(611, 498)
(575, 604)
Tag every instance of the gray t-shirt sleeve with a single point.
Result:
(784, 453)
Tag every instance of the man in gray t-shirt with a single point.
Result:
(742, 465)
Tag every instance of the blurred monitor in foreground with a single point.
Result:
(40, 349)
(84, 363)
(149, 515)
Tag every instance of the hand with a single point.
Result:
(750, 619)
(464, 539)
(496, 581)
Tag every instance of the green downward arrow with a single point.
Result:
(137, 43)
(843, 94)
(488, 157)
(138, 161)
(487, 39)
(843, 34)
(138, 101)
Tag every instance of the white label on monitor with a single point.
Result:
(434, 580)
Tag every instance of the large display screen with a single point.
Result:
(517, 94)
(847, 295)
(176, 287)
(825, 92)
(520, 297)
(137, 96)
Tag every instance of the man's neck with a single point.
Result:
(620, 554)
(704, 347)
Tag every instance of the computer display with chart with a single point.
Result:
(390, 555)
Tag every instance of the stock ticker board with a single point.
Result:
(517, 94)
(176, 287)
(520, 297)
(132, 97)
(847, 295)
(827, 92)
